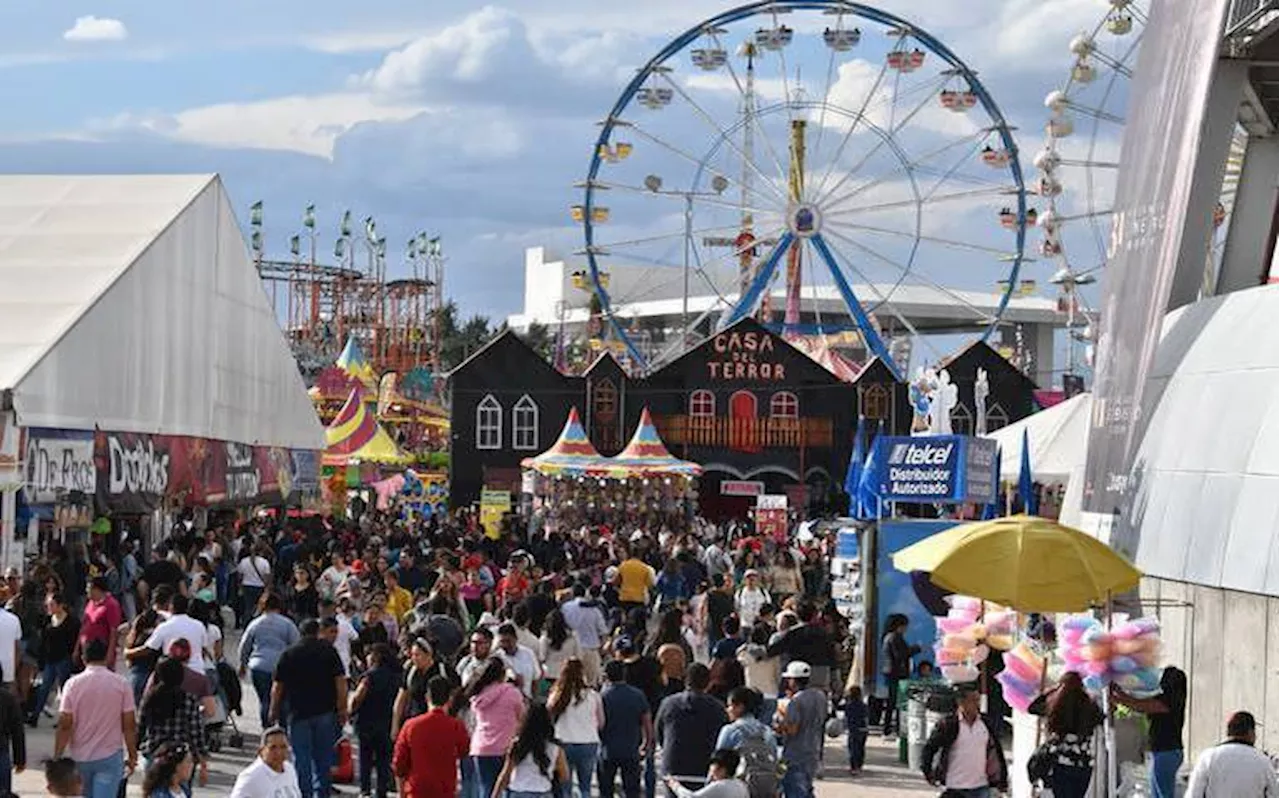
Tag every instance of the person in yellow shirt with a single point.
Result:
(635, 580)
(399, 600)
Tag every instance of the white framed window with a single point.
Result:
(996, 417)
(489, 423)
(524, 424)
(961, 420)
(702, 404)
(784, 404)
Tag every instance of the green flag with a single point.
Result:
(412, 248)
(340, 248)
(255, 214)
(370, 230)
(255, 241)
(380, 247)
(309, 217)
(345, 228)
(434, 247)
(295, 244)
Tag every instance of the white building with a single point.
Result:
(555, 293)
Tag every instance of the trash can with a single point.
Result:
(928, 702)
(916, 734)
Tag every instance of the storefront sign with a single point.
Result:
(745, 356)
(58, 461)
(305, 468)
(243, 478)
(935, 468)
(133, 470)
(11, 451)
(771, 517)
(741, 487)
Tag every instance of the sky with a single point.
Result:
(466, 120)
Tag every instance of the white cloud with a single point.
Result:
(306, 124)
(96, 29)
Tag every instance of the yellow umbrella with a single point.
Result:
(1027, 563)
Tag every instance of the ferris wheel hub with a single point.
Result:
(804, 219)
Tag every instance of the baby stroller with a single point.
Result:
(227, 697)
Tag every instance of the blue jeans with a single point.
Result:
(650, 775)
(138, 679)
(581, 758)
(262, 686)
(52, 673)
(6, 772)
(102, 777)
(1164, 772)
(973, 792)
(313, 740)
(797, 781)
(248, 603)
(486, 770)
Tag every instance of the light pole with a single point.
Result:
(718, 185)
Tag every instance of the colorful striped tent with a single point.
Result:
(571, 455)
(355, 435)
(353, 361)
(647, 456)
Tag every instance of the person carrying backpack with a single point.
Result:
(754, 742)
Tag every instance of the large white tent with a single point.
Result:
(1057, 437)
(130, 303)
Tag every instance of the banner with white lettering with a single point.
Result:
(935, 468)
(58, 462)
(133, 471)
(1168, 97)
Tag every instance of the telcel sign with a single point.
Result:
(936, 468)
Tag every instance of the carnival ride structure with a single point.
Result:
(725, 166)
(396, 321)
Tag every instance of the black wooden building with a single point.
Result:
(758, 414)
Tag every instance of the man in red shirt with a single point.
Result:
(102, 617)
(430, 747)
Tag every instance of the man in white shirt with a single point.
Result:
(10, 637)
(271, 775)
(519, 659)
(178, 626)
(340, 633)
(586, 619)
(963, 754)
(1234, 768)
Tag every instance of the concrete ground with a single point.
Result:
(883, 777)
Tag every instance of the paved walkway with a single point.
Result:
(883, 777)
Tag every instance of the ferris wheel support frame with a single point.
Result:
(1000, 127)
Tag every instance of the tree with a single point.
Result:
(540, 339)
(460, 342)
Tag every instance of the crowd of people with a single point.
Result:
(634, 660)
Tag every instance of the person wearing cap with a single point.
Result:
(271, 774)
(1234, 767)
(963, 753)
(801, 729)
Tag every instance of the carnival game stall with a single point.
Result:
(644, 484)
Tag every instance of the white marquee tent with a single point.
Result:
(1058, 437)
(130, 303)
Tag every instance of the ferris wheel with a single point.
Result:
(1078, 161)
(821, 165)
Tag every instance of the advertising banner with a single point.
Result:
(935, 468)
(58, 462)
(909, 594)
(1167, 100)
(493, 505)
(11, 452)
(133, 471)
(771, 517)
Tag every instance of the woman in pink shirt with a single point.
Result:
(496, 710)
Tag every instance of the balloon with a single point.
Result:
(959, 674)
(1000, 642)
(965, 642)
(950, 626)
(980, 653)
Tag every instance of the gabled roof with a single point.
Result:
(875, 370)
(130, 304)
(506, 337)
(983, 351)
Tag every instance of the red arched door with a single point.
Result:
(743, 433)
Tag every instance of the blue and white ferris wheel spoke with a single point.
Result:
(853, 125)
(936, 199)
(892, 132)
(908, 272)
(724, 135)
(903, 168)
(753, 114)
(948, 242)
(679, 196)
(697, 162)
